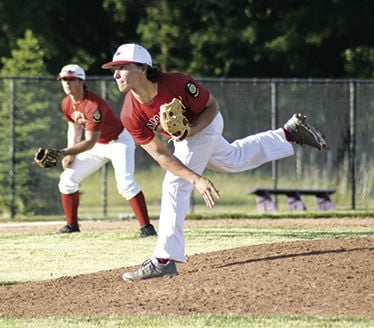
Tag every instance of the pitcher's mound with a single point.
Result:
(312, 278)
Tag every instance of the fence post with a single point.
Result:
(274, 125)
(352, 141)
(104, 169)
(11, 149)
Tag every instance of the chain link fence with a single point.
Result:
(342, 109)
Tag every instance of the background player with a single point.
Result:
(105, 140)
(146, 90)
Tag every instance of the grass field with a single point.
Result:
(233, 188)
(214, 321)
(40, 256)
(47, 255)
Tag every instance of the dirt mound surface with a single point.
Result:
(313, 278)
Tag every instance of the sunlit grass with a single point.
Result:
(233, 188)
(192, 321)
(40, 256)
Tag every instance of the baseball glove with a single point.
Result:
(48, 157)
(173, 121)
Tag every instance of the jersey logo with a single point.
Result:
(78, 117)
(192, 89)
(96, 116)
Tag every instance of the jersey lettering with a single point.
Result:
(153, 122)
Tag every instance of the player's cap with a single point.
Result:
(72, 71)
(129, 53)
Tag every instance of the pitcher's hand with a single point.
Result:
(208, 191)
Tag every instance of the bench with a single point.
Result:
(265, 203)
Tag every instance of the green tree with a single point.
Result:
(233, 38)
(33, 120)
(359, 61)
(201, 39)
(308, 38)
(27, 59)
(246, 38)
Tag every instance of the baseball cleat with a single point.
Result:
(152, 269)
(147, 230)
(69, 228)
(304, 133)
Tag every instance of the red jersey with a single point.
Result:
(143, 120)
(94, 114)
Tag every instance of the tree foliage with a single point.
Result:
(231, 38)
(28, 106)
(27, 58)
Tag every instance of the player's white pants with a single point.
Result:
(209, 148)
(120, 152)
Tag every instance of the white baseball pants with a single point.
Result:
(209, 148)
(120, 152)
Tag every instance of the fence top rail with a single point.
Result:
(212, 79)
(285, 80)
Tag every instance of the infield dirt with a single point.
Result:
(330, 277)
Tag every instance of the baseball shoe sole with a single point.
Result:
(304, 133)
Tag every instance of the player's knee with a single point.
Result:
(67, 184)
(129, 191)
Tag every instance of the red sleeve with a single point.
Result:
(193, 95)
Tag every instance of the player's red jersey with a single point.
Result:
(142, 120)
(94, 114)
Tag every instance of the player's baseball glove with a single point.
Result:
(173, 121)
(48, 157)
